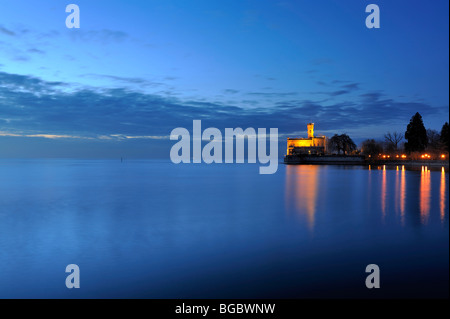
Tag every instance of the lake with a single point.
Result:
(154, 229)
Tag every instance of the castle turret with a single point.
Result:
(310, 130)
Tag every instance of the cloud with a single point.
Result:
(272, 94)
(351, 86)
(34, 50)
(32, 107)
(230, 91)
(339, 92)
(6, 31)
(125, 80)
(341, 88)
(103, 36)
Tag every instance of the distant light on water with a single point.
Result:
(425, 195)
(443, 194)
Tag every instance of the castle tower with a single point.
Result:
(310, 130)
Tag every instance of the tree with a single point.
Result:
(434, 142)
(341, 143)
(416, 135)
(348, 143)
(444, 137)
(371, 147)
(392, 140)
(335, 144)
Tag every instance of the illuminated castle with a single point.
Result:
(314, 145)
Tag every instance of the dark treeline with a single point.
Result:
(414, 142)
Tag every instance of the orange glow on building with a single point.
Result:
(310, 145)
(442, 156)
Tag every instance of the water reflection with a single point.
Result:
(302, 190)
(425, 193)
(402, 195)
(442, 195)
(383, 193)
(390, 187)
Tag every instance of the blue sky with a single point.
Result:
(137, 69)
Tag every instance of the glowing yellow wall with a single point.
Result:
(300, 143)
(306, 142)
(310, 127)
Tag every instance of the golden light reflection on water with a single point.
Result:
(383, 193)
(442, 195)
(402, 196)
(425, 193)
(303, 193)
(397, 188)
(302, 190)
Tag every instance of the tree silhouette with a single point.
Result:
(371, 147)
(341, 143)
(444, 137)
(392, 139)
(433, 140)
(416, 135)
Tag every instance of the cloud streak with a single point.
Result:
(6, 31)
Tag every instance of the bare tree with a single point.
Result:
(434, 140)
(392, 139)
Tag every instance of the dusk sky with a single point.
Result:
(135, 70)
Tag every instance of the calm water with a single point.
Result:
(152, 229)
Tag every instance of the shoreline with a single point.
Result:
(360, 161)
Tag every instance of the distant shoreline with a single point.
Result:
(359, 160)
(434, 163)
